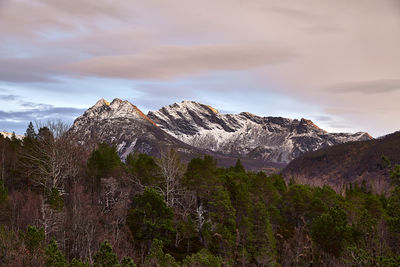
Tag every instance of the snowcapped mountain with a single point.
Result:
(123, 124)
(9, 135)
(274, 139)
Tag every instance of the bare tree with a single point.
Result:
(172, 171)
(49, 161)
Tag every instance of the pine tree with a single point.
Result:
(127, 262)
(157, 257)
(55, 258)
(105, 257)
(30, 131)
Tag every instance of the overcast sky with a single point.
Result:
(335, 62)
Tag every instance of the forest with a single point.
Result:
(68, 204)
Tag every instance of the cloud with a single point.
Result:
(40, 114)
(307, 51)
(323, 118)
(27, 70)
(176, 61)
(8, 97)
(368, 87)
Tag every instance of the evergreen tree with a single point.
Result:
(150, 218)
(143, 168)
(105, 256)
(127, 262)
(203, 258)
(262, 244)
(33, 238)
(157, 257)
(103, 161)
(30, 131)
(332, 232)
(78, 263)
(55, 258)
(239, 166)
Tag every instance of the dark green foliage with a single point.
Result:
(238, 166)
(150, 218)
(55, 258)
(30, 131)
(103, 161)
(332, 232)
(144, 168)
(393, 204)
(262, 244)
(201, 174)
(127, 262)
(157, 257)
(203, 258)
(105, 256)
(222, 216)
(78, 263)
(55, 200)
(33, 238)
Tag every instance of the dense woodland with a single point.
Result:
(65, 204)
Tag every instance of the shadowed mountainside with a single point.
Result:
(352, 162)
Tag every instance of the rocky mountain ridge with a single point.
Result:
(274, 139)
(123, 124)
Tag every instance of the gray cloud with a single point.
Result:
(26, 70)
(18, 120)
(368, 87)
(40, 114)
(8, 97)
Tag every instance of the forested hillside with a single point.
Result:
(353, 162)
(63, 205)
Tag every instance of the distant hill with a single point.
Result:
(353, 162)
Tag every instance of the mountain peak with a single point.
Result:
(311, 123)
(118, 108)
(193, 104)
(101, 102)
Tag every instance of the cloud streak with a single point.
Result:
(368, 87)
(178, 61)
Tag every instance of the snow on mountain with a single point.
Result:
(9, 135)
(275, 139)
(123, 124)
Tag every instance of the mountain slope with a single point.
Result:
(353, 162)
(123, 124)
(274, 139)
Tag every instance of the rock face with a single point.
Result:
(273, 139)
(123, 124)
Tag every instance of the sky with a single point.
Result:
(334, 62)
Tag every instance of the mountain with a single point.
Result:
(122, 123)
(274, 139)
(9, 135)
(352, 162)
